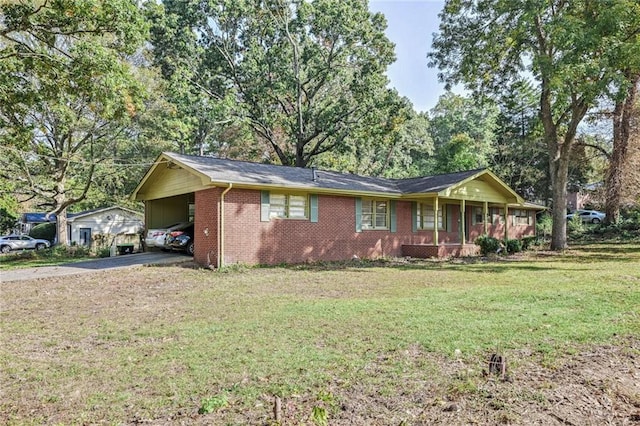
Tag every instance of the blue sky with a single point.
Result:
(411, 24)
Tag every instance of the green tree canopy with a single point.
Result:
(463, 133)
(573, 50)
(304, 76)
(397, 147)
(520, 155)
(67, 94)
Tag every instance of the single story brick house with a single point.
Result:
(255, 213)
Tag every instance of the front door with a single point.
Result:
(85, 237)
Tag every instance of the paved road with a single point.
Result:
(89, 266)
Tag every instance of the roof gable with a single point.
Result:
(434, 184)
(102, 210)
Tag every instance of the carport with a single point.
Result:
(161, 212)
(168, 193)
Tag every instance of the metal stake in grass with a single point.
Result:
(277, 409)
(498, 365)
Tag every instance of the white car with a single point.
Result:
(156, 237)
(588, 216)
(22, 242)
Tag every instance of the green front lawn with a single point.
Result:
(161, 343)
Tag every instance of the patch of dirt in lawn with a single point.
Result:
(597, 386)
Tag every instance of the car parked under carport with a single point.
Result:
(181, 239)
(156, 237)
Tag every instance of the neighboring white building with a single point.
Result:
(109, 221)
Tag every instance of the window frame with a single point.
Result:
(519, 214)
(497, 216)
(477, 212)
(422, 208)
(373, 213)
(286, 207)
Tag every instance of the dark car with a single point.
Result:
(180, 239)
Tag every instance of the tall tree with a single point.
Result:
(462, 130)
(67, 94)
(520, 157)
(395, 147)
(625, 123)
(155, 127)
(565, 46)
(304, 75)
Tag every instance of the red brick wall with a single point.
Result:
(519, 231)
(205, 226)
(516, 231)
(333, 237)
(427, 251)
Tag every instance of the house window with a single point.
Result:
(375, 214)
(287, 206)
(426, 216)
(521, 217)
(497, 216)
(477, 215)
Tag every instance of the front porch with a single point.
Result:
(425, 251)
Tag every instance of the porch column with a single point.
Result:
(436, 225)
(485, 215)
(463, 215)
(506, 222)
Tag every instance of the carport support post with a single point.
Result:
(221, 227)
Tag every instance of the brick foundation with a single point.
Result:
(426, 251)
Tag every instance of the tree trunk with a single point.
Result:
(301, 161)
(559, 155)
(61, 228)
(622, 116)
(60, 210)
(559, 169)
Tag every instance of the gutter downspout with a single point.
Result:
(221, 227)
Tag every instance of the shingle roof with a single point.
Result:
(434, 183)
(37, 218)
(32, 217)
(223, 170)
(101, 209)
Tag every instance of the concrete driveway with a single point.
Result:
(89, 266)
